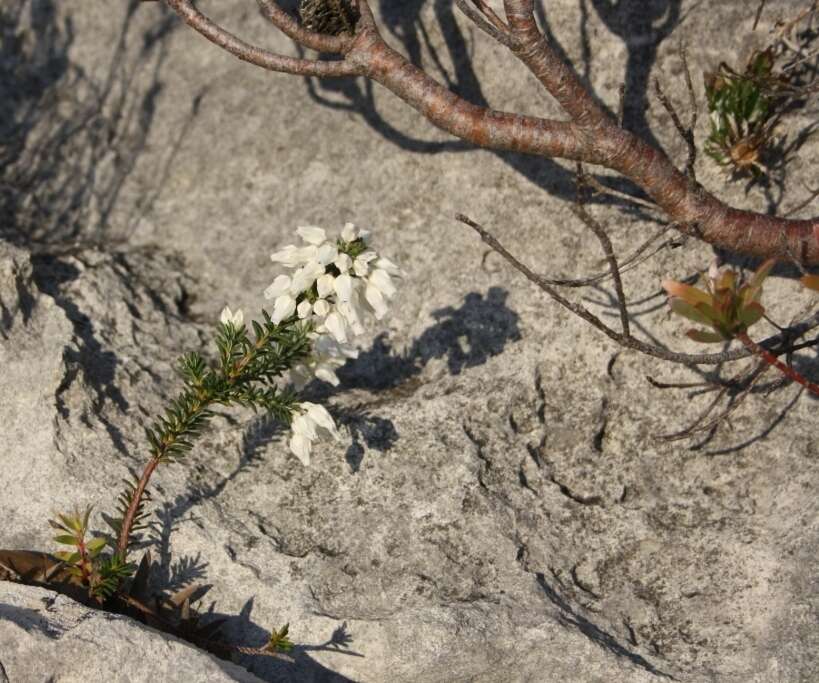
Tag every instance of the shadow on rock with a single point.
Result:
(403, 21)
(642, 25)
(69, 139)
(465, 336)
(570, 618)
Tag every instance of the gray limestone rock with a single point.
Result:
(45, 636)
(500, 509)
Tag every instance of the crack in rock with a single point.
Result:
(569, 617)
(577, 497)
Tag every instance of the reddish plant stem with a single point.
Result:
(85, 563)
(769, 358)
(203, 400)
(591, 136)
(128, 520)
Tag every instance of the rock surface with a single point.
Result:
(49, 637)
(499, 510)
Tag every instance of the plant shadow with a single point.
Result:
(69, 139)
(462, 337)
(404, 22)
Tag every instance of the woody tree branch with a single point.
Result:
(590, 135)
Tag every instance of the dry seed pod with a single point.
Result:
(328, 16)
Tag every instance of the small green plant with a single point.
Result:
(728, 307)
(102, 575)
(315, 312)
(743, 113)
(746, 107)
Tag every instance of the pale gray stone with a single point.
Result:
(45, 636)
(499, 510)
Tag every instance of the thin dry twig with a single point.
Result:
(608, 251)
(701, 425)
(497, 30)
(692, 125)
(758, 14)
(628, 341)
(687, 134)
(628, 264)
(813, 195)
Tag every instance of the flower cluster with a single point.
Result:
(334, 284)
(306, 426)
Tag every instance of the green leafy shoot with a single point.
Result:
(744, 110)
(245, 372)
(279, 642)
(84, 560)
(727, 307)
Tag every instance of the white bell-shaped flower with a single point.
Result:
(325, 285)
(292, 256)
(321, 308)
(375, 298)
(343, 286)
(304, 309)
(312, 234)
(283, 308)
(281, 285)
(352, 312)
(328, 356)
(361, 265)
(236, 319)
(385, 264)
(381, 279)
(305, 276)
(335, 325)
(311, 419)
(349, 233)
(326, 254)
(343, 262)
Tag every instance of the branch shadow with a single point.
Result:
(403, 21)
(462, 337)
(569, 617)
(642, 25)
(69, 139)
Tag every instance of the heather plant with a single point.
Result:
(319, 306)
(746, 107)
(729, 307)
(317, 311)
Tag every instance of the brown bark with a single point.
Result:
(591, 136)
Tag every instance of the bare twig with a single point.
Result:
(498, 30)
(593, 182)
(758, 13)
(608, 251)
(256, 55)
(813, 195)
(692, 125)
(687, 134)
(628, 264)
(700, 424)
(628, 341)
(591, 136)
